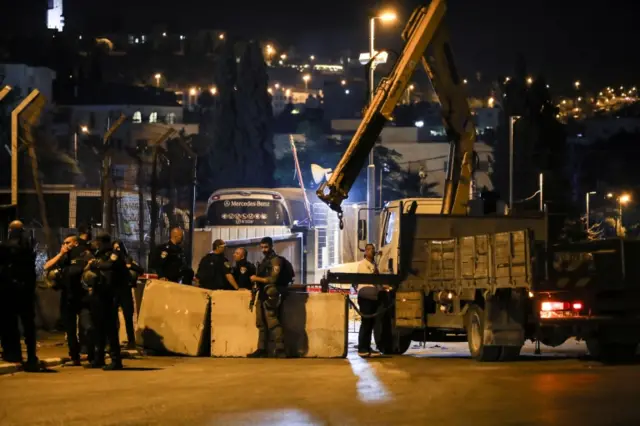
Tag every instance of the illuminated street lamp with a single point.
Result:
(529, 81)
(83, 129)
(343, 82)
(312, 57)
(577, 84)
(221, 36)
(283, 56)
(213, 90)
(622, 199)
(193, 91)
(491, 102)
(387, 16)
(306, 79)
(158, 76)
(408, 92)
(270, 50)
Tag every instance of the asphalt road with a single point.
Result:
(436, 385)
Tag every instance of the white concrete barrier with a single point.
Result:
(315, 325)
(174, 318)
(233, 325)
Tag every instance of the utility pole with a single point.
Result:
(155, 146)
(512, 121)
(15, 115)
(192, 195)
(106, 174)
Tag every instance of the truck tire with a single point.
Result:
(475, 336)
(612, 351)
(396, 344)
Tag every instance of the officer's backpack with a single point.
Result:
(287, 274)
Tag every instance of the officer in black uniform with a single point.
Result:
(66, 269)
(124, 295)
(111, 271)
(243, 270)
(18, 283)
(214, 270)
(270, 295)
(170, 262)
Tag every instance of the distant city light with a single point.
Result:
(182, 37)
(577, 84)
(213, 90)
(84, 129)
(312, 57)
(277, 85)
(164, 34)
(283, 56)
(625, 198)
(465, 81)
(491, 102)
(343, 82)
(306, 78)
(347, 91)
(270, 50)
(221, 36)
(529, 80)
(419, 123)
(193, 91)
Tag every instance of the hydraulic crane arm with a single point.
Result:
(426, 40)
(420, 31)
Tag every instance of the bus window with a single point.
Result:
(247, 212)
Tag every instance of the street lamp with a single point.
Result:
(221, 36)
(622, 200)
(158, 76)
(83, 129)
(512, 121)
(306, 79)
(408, 92)
(588, 209)
(387, 16)
(577, 84)
(213, 90)
(529, 81)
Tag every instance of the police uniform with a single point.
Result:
(18, 288)
(76, 302)
(242, 272)
(112, 271)
(212, 272)
(267, 312)
(170, 263)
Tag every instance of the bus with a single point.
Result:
(277, 207)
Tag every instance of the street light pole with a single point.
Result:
(588, 196)
(371, 169)
(512, 120)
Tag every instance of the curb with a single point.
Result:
(11, 367)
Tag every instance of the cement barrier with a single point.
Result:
(315, 325)
(174, 318)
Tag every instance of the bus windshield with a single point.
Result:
(251, 212)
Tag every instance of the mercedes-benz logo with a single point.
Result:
(227, 203)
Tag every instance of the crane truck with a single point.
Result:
(495, 280)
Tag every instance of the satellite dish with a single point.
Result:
(319, 173)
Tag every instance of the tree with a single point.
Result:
(539, 141)
(236, 128)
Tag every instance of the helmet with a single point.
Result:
(90, 279)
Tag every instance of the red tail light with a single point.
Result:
(555, 309)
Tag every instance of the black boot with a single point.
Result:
(260, 353)
(114, 365)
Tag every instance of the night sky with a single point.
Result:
(565, 39)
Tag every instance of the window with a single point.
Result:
(171, 118)
(137, 117)
(153, 117)
(389, 227)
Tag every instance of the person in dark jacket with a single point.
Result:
(124, 296)
(243, 269)
(170, 262)
(66, 270)
(18, 289)
(214, 270)
(111, 270)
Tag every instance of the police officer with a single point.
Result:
(170, 262)
(214, 270)
(243, 270)
(19, 291)
(270, 294)
(124, 295)
(111, 271)
(66, 268)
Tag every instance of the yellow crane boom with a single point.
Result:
(427, 41)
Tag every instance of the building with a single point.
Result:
(24, 78)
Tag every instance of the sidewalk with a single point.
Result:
(52, 351)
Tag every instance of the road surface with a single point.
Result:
(436, 385)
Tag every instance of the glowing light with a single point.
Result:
(491, 102)
(312, 57)
(346, 92)
(283, 56)
(270, 50)
(577, 84)
(193, 91)
(625, 198)
(343, 82)
(529, 80)
(306, 78)
(84, 129)
(388, 16)
(213, 90)
(221, 36)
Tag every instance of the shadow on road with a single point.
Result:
(141, 368)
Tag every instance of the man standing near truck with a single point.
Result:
(368, 302)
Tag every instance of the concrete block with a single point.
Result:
(174, 318)
(233, 325)
(316, 325)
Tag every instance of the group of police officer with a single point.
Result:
(95, 278)
(268, 281)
